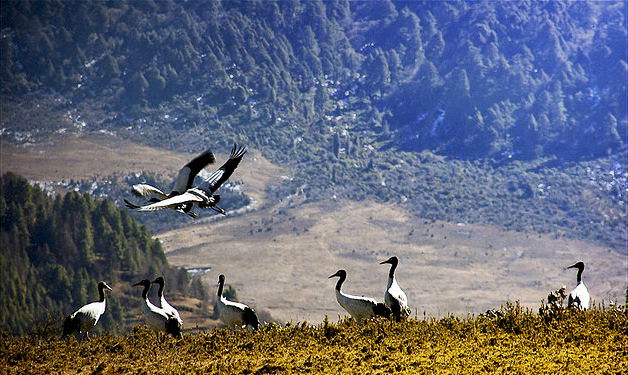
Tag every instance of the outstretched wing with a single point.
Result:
(143, 190)
(186, 175)
(222, 174)
(173, 202)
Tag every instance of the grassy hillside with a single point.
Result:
(511, 341)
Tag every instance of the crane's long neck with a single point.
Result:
(579, 277)
(145, 291)
(101, 292)
(220, 285)
(340, 281)
(391, 273)
(160, 292)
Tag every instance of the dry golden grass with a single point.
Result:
(513, 342)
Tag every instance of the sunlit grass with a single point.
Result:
(510, 341)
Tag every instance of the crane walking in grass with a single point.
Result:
(234, 314)
(360, 308)
(163, 303)
(201, 195)
(579, 296)
(157, 318)
(85, 318)
(394, 297)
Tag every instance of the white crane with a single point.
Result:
(155, 317)
(394, 297)
(360, 308)
(234, 314)
(163, 303)
(183, 182)
(579, 296)
(85, 318)
(202, 195)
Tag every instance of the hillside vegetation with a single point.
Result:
(423, 103)
(53, 252)
(507, 341)
(468, 79)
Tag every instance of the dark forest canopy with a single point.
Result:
(501, 112)
(468, 79)
(53, 253)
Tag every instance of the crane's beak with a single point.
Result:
(219, 210)
(137, 284)
(108, 287)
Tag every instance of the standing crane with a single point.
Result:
(394, 297)
(85, 318)
(360, 308)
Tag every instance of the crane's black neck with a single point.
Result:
(160, 292)
(393, 267)
(340, 281)
(221, 283)
(145, 291)
(579, 277)
(101, 293)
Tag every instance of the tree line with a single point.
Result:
(54, 251)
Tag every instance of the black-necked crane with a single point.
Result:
(360, 308)
(163, 303)
(201, 195)
(579, 296)
(85, 318)
(234, 314)
(155, 317)
(183, 182)
(394, 297)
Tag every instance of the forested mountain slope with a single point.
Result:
(350, 94)
(53, 252)
(529, 78)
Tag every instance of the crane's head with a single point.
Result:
(221, 279)
(341, 273)
(392, 260)
(579, 266)
(145, 283)
(159, 280)
(103, 285)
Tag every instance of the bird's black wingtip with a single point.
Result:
(237, 152)
(131, 205)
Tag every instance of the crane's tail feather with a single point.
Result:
(69, 326)
(382, 310)
(250, 318)
(173, 327)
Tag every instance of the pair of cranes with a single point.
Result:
(184, 196)
(364, 308)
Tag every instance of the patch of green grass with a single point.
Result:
(508, 341)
